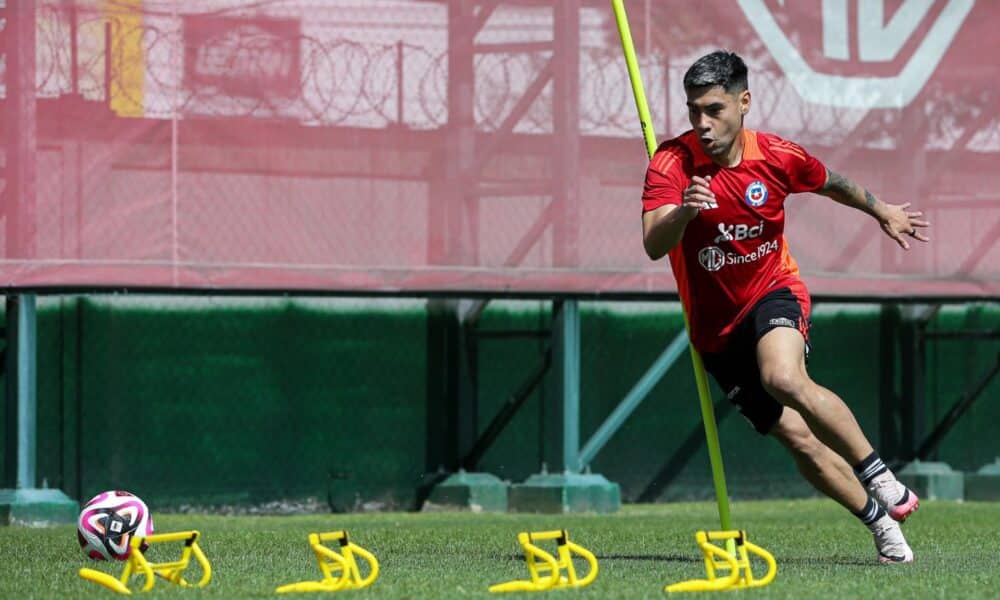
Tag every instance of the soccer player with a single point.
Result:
(714, 201)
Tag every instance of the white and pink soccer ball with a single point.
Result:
(109, 521)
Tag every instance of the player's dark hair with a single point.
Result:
(722, 68)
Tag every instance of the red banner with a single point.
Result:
(419, 148)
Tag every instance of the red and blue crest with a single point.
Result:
(756, 194)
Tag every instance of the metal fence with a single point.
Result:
(273, 145)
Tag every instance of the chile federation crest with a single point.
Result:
(756, 194)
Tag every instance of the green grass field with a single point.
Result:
(822, 552)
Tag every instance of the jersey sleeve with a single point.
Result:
(665, 180)
(805, 172)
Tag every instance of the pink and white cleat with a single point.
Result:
(891, 545)
(897, 499)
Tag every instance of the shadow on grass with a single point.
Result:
(635, 557)
(679, 558)
(835, 560)
(831, 560)
(652, 557)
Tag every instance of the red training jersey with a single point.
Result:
(732, 255)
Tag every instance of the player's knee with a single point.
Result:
(784, 383)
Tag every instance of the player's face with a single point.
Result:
(717, 117)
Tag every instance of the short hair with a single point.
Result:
(722, 68)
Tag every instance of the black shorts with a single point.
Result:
(736, 369)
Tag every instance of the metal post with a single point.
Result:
(18, 196)
(561, 487)
(26, 391)
(460, 134)
(566, 132)
(19, 471)
(21, 501)
(563, 450)
(451, 404)
(11, 407)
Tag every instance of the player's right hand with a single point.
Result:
(698, 196)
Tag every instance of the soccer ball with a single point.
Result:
(108, 522)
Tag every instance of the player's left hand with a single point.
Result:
(900, 223)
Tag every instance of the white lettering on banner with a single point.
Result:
(881, 44)
(713, 259)
(835, 30)
(876, 43)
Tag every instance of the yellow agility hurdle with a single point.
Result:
(740, 575)
(548, 572)
(137, 565)
(340, 571)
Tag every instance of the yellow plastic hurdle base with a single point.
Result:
(548, 572)
(340, 571)
(137, 564)
(716, 558)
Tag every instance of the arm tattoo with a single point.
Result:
(869, 200)
(847, 192)
(838, 184)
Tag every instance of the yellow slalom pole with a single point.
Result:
(704, 397)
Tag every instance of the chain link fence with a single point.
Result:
(410, 147)
(272, 145)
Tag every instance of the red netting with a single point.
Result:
(415, 146)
